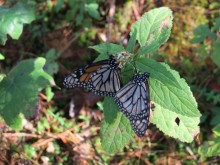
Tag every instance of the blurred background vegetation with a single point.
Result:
(66, 126)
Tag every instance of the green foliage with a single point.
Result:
(100, 105)
(91, 8)
(85, 118)
(216, 24)
(170, 93)
(12, 20)
(150, 23)
(2, 57)
(215, 116)
(30, 151)
(211, 148)
(116, 130)
(201, 33)
(80, 9)
(171, 86)
(123, 15)
(215, 56)
(19, 90)
(2, 76)
(213, 96)
(175, 114)
(49, 93)
(106, 49)
(56, 124)
(51, 65)
(160, 37)
(173, 99)
(43, 125)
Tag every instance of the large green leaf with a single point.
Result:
(19, 90)
(12, 20)
(160, 37)
(150, 23)
(176, 112)
(116, 130)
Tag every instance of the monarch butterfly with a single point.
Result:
(134, 101)
(102, 77)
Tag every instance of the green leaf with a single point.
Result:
(158, 39)
(51, 55)
(217, 24)
(215, 56)
(150, 23)
(59, 5)
(49, 93)
(80, 16)
(71, 14)
(79, 19)
(30, 151)
(215, 120)
(210, 148)
(51, 65)
(216, 130)
(17, 121)
(12, 20)
(174, 124)
(92, 10)
(106, 49)
(116, 130)
(43, 124)
(2, 57)
(201, 33)
(100, 105)
(176, 112)
(2, 76)
(19, 90)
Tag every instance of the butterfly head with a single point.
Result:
(139, 78)
(112, 62)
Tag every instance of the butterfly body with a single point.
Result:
(134, 101)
